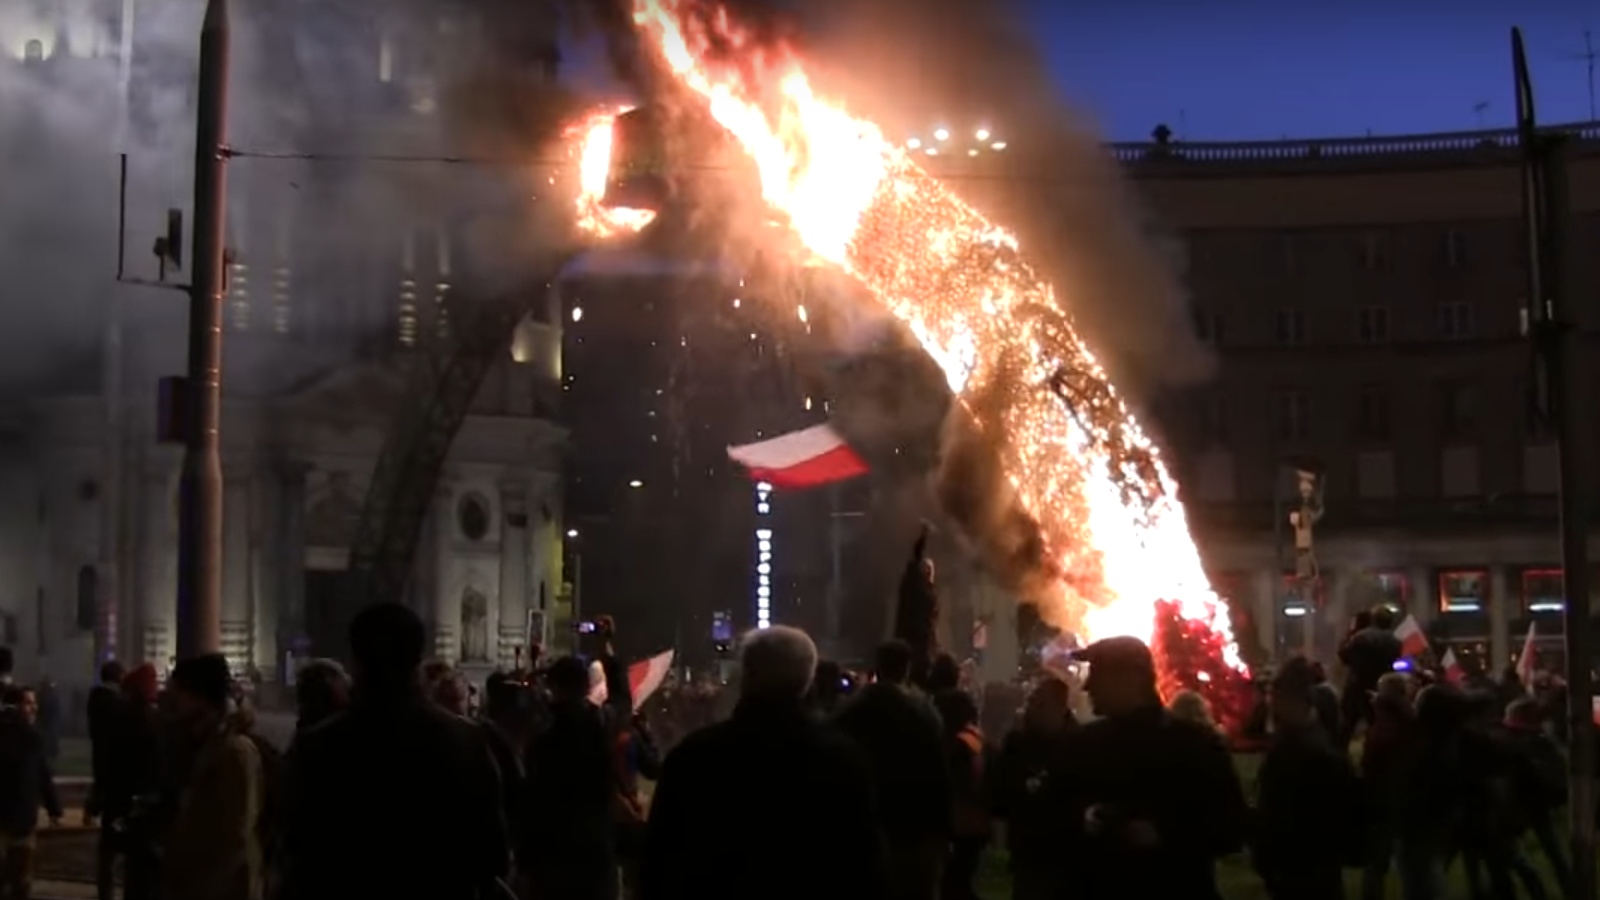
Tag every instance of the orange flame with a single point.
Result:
(1078, 461)
(592, 140)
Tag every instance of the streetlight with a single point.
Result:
(572, 532)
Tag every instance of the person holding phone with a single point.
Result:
(1158, 799)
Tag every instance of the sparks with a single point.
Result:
(1113, 529)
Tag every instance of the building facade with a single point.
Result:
(1364, 299)
(340, 284)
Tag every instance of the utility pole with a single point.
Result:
(1557, 385)
(200, 501)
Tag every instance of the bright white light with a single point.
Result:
(932, 151)
(998, 145)
(736, 302)
(764, 557)
(763, 508)
(764, 591)
(1294, 612)
(764, 546)
(972, 153)
(764, 568)
(572, 532)
(636, 483)
(763, 534)
(763, 487)
(808, 404)
(577, 314)
(941, 134)
(801, 310)
(914, 143)
(982, 135)
(763, 598)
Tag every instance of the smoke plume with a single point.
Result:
(314, 219)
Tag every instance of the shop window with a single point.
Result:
(1299, 594)
(1543, 591)
(1393, 591)
(1464, 591)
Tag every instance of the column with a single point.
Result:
(513, 593)
(236, 643)
(158, 557)
(446, 599)
(1503, 602)
(291, 545)
(1423, 601)
(544, 543)
(266, 571)
(1268, 606)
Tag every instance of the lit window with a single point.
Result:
(1544, 591)
(1464, 591)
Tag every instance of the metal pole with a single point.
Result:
(200, 512)
(1557, 392)
(577, 589)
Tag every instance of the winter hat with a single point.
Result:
(205, 677)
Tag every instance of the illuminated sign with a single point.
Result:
(1544, 590)
(1464, 591)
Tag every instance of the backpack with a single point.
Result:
(274, 809)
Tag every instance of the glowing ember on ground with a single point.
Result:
(1112, 526)
(592, 142)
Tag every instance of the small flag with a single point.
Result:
(1526, 659)
(1453, 672)
(646, 675)
(1412, 641)
(800, 459)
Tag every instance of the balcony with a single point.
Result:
(1461, 146)
(1429, 514)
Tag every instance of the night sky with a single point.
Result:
(1254, 70)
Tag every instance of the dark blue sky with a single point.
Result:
(1264, 71)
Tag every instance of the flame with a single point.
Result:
(1078, 461)
(591, 142)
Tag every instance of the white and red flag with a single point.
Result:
(1453, 672)
(646, 675)
(810, 457)
(1526, 659)
(1412, 641)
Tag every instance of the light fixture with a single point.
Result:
(982, 135)
(572, 532)
(914, 143)
(972, 153)
(636, 483)
(932, 151)
(801, 311)
(763, 598)
(577, 314)
(998, 145)
(942, 134)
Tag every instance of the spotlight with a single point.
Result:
(942, 134)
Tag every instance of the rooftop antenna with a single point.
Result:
(1479, 109)
(1587, 57)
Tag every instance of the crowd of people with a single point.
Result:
(401, 780)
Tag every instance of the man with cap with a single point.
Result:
(212, 850)
(1308, 822)
(1158, 800)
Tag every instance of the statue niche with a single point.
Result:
(474, 626)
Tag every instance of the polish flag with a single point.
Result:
(646, 675)
(1526, 659)
(800, 459)
(1453, 672)
(1412, 641)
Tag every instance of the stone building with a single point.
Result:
(338, 282)
(1364, 298)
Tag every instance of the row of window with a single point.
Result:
(1540, 590)
(1453, 321)
(1371, 413)
(1372, 249)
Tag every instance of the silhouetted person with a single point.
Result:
(26, 785)
(1368, 654)
(321, 690)
(1308, 821)
(1023, 787)
(393, 797)
(809, 832)
(1157, 801)
(213, 850)
(104, 712)
(916, 619)
(899, 732)
(569, 847)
